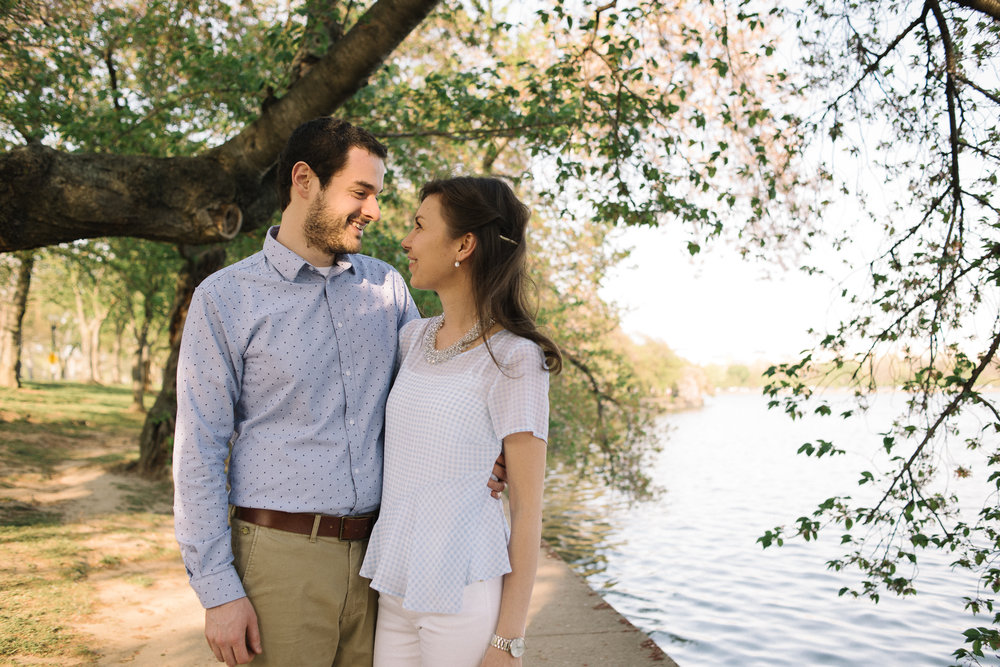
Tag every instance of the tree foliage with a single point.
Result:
(909, 90)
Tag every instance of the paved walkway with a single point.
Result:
(568, 625)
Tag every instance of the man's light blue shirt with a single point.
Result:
(294, 368)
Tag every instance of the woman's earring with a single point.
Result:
(457, 263)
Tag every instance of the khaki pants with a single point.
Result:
(313, 608)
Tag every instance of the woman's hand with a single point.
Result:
(496, 658)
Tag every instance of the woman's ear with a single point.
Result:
(467, 246)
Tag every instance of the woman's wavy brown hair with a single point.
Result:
(488, 208)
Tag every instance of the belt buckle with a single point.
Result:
(340, 533)
(343, 522)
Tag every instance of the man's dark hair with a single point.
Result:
(323, 144)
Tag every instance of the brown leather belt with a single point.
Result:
(342, 527)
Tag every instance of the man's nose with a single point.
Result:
(370, 209)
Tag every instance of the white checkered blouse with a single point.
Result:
(439, 528)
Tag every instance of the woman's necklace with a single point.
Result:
(434, 355)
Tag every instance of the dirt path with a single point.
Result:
(148, 618)
(143, 612)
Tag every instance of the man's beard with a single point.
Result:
(328, 232)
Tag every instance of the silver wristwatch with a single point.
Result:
(513, 646)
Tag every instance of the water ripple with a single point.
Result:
(687, 570)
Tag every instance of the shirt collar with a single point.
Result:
(288, 263)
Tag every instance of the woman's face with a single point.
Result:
(429, 247)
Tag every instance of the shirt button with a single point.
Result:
(357, 471)
(340, 325)
(347, 373)
(351, 422)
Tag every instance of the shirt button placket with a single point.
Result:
(342, 334)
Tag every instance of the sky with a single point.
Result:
(716, 307)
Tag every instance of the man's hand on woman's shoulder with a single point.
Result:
(498, 484)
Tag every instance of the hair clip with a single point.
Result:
(504, 238)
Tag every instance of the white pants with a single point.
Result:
(405, 638)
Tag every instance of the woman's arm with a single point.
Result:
(525, 460)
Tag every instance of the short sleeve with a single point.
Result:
(519, 398)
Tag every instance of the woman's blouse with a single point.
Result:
(439, 528)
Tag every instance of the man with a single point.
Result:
(289, 354)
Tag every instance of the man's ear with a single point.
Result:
(303, 178)
(467, 247)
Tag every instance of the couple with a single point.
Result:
(284, 380)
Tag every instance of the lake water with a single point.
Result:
(686, 568)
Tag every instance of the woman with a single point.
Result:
(455, 583)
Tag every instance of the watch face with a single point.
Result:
(517, 647)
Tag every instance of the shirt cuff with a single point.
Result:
(219, 588)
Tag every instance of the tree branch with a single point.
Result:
(989, 7)
(964, 393)
(951, 94)
(872, 66)
(979, 89)
(49, 197)
(327, 85)
(600, 397)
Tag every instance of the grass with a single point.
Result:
(47, 560)
(15, 513)
(139, 500)
(43, 424)
(40, 589)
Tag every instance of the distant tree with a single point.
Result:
(12, 317)
(82, 282)
(144, 275)
(737, 375)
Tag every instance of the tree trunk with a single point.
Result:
(116, 353)
(90, 327)
(139, 367)
(10, 368)
(5, 311)
(83, 323)
(147, 370)
(95, 352)
(156, 441)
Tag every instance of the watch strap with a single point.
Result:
(514, 646)
(501, 643)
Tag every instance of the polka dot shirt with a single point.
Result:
(292, 367)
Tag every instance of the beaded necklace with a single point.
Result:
(434, 355)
